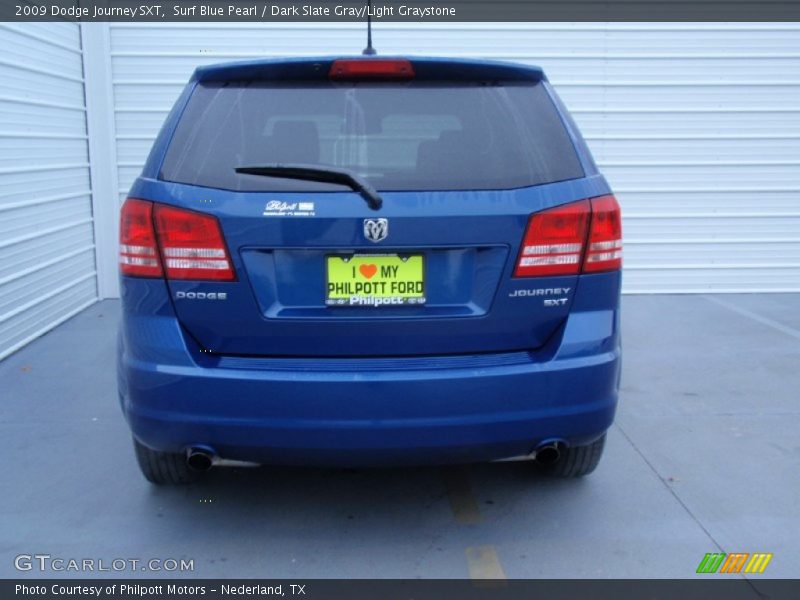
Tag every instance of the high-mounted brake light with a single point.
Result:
(374, 69)
(555, 241)
(190, 244)
(138, 252)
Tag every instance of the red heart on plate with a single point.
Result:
(368, 271)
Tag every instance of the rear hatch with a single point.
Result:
(461, 154)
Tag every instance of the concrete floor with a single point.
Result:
(704, 457)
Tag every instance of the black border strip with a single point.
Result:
(716, 586)
(403, 10)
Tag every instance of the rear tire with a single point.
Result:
(576, 461)
(163, 467)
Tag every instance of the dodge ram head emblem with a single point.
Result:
(376, 230)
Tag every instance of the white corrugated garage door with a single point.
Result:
(697, 126)
(47, 255)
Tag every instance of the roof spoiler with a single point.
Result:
(317, 69)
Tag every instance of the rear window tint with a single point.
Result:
(398, 137)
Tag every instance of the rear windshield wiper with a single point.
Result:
(322, 174)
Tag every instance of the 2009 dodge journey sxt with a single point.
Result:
(369, 261)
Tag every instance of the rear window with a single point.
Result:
(398, 137)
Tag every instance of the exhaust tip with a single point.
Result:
(547, 455)
(199, 459)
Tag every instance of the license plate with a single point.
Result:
(375, 280)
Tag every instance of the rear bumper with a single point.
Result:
(370, 411)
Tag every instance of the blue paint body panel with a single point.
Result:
(273, 375)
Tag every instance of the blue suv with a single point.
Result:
(369, 261)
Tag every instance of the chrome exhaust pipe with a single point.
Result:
(199, 459)
(548, 454)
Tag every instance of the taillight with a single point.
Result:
(190, 244)
(605, 236)
(372, 68)
(138, 254)
(555, 241)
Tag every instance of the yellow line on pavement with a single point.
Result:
(482, 561)
(483, 564)
(465, 507)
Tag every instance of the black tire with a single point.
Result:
(576, 461)
(163, 467)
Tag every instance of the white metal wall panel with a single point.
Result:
(697, 126)
(47, 253)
